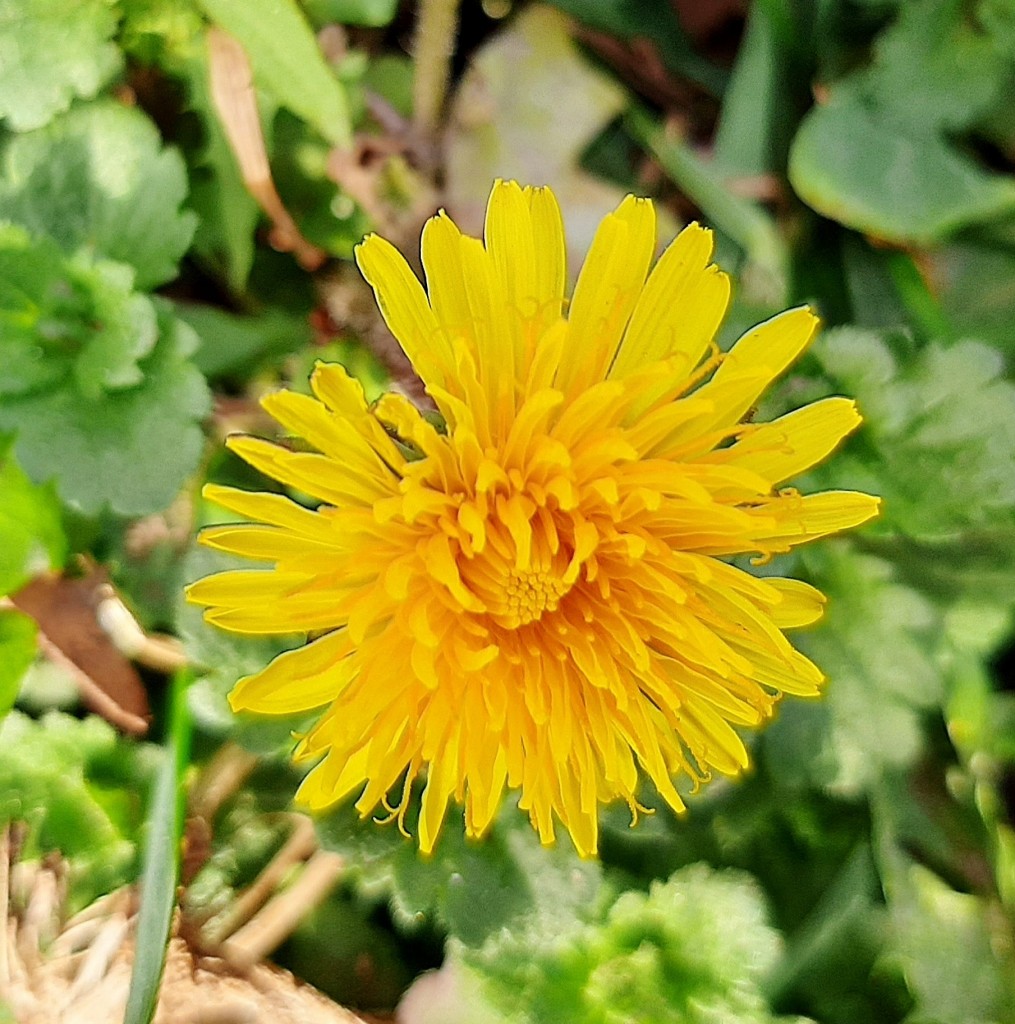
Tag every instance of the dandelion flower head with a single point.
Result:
(532, 592)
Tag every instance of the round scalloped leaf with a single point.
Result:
(133, 449)
(99, 179)
(52, 51)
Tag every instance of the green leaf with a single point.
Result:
(238, 344)
(374, 13)
(975, 279)
(132, 449)
(878, 647)
(942, 419)
(80, 789)
(164, 33)
(880, 154)
(472, 889)
(930, 924)
(99, 179)
(757, 117)
(52, 51)
(33, 537)
(161, 862)
(69, 316)
(692, 950)
(17, 652)
(287, 61)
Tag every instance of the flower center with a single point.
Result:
(529, 593)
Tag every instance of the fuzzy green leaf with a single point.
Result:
(693, 950)
(79, 787)
(470, 888)
(99, 179)
(130, 450)
(938, 441)
(52, 51)
(69, 321)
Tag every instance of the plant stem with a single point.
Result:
(433, 46)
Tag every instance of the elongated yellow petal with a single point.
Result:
(793, 443)
(298, 680)
(608, 288)
(761, 356)
(679, 310)
(405, 309)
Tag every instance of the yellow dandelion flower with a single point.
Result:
(535, 595)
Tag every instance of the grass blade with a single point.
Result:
(161, 862)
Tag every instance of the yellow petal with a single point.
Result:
(793, 443)
(801, 604)
(761, 355)
(324, 478)
(403, 305)
(273, 509)
(469, 302)
(679, 310)
(608, 288)
(264, 543)
(802, 519)
(298, 680)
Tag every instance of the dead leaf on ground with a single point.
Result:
(70, 635)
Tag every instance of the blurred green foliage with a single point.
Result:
(855, 154)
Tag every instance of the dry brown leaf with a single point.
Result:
(70, 635)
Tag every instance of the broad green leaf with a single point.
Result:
(287, 61)
(98, 179)
(52, 51)
(234, 344)
(132, 449)
(161, 861)
(351, 12)
(80, 789)
(17, 651)
(879, 154)
(903, 184)
(69, 321)
(33, 537)
(692, 950)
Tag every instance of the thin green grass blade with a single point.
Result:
(161, 862)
